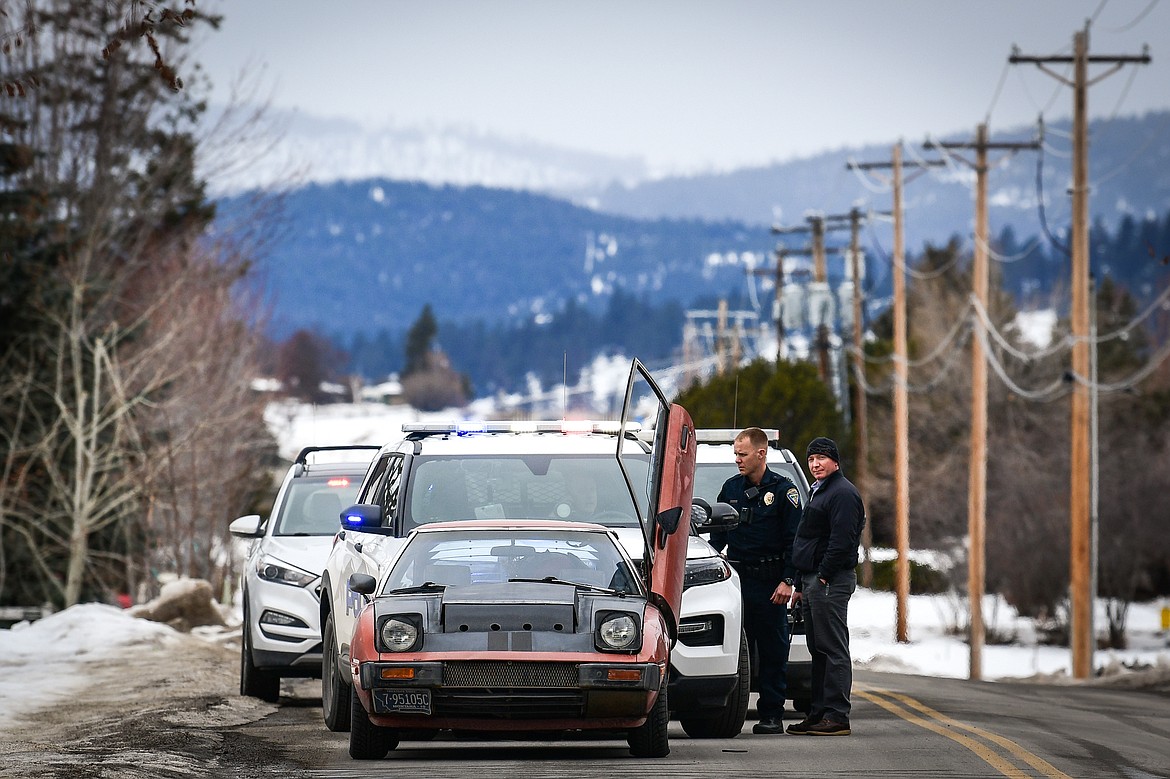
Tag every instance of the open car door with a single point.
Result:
(668, 489)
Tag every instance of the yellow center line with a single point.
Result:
(937, 722)
(1034, 760)
(985, 753)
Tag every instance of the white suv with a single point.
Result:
(714, 464)
(281, 635)
(536, 470)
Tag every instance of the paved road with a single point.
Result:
(903, 726)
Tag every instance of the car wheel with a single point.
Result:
(652, 738)
(254, 682)
(336, 691)
(729, 722)
(367, 741)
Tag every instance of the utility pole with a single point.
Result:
(901, 411)
(779, 253)
(977, 466)
(1080, 536)
(816, 225)
(860, 412)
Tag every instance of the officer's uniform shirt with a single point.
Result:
(774, 510)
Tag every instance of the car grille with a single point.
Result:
(512, 691)
(504, 674)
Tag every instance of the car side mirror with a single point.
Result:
(708, 519)
(248, 526)
(362, 583)
(361, 516)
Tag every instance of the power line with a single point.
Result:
(1130, 25)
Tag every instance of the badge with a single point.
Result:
(793, 497)
(768, 498)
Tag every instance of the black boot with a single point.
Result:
(769, 726)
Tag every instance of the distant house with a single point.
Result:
(388, 391)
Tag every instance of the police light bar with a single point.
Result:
(522, 426)
(726, 435)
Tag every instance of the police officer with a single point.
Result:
(760, 549)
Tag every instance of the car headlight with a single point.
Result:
(272, 570)
(400, 632)
(618, 630)
(706, 570)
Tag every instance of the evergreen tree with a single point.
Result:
(789, 396)
(419, 342)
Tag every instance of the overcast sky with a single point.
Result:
(687, 85)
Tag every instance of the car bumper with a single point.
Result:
(285, 628)
(710, 626)
(704, 663)
(555, 696)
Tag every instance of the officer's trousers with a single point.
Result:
(766, 625)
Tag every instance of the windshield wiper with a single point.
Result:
(424, 587)
(578, 585)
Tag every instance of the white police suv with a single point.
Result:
(516, 470)
(281, 632)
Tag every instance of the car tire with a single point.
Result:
(254, 682)
(367, 741)
(652, 739)
(336, 691)
(729, 722)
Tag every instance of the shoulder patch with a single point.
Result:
(793, 497)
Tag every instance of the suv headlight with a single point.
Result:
(706, 570)
(272, 570)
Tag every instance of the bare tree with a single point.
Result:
(135, 363)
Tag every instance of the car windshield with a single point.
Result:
(578, 488)
(462, 557)
(313, 504)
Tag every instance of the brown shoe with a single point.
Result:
(801, 728)
(828, 727)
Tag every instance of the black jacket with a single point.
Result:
(774, 511)
(830, 528)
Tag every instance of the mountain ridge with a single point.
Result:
(361, 255)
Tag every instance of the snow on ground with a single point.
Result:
(43, 663)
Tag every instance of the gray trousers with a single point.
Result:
(826, 627)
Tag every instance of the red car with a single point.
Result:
(509, 627)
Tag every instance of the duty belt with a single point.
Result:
(771, 567)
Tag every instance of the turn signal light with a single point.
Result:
(624, 675)
(397, 673)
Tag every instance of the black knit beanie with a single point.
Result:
(825, 446)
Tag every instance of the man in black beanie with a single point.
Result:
(825, 554)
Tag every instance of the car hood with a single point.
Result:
(305, 552)
(631, 538)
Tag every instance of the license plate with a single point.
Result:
(402, 701)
